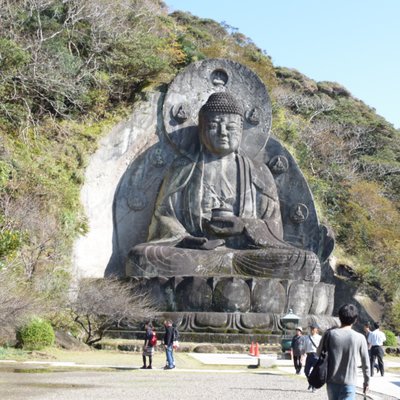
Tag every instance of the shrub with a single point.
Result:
(391, 340)
(36, 334)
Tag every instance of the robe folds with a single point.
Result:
(181, 209)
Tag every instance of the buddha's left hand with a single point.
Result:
(226, 226)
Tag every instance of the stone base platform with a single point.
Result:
(200, 327)
(255, 299)
(242, 323)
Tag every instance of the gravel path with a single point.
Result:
(155, 384)
(122, 380)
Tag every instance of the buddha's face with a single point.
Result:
(221, 133)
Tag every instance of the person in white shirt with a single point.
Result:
(376, 339)
(311, 343)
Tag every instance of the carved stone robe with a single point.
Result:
(180, 209)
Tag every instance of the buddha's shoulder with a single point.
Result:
(180, 162)
(262, 178)
(260, 171)
(179, 167)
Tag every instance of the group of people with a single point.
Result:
(305, 346)
(345, 347)
(150, 341)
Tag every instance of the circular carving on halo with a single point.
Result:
(137, 201)
(278, 164)
(253, 116)
(181, 112)
(194, 85)
(157, 159)
(219, 77)
(299, 213)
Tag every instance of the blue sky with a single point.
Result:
(353, 42)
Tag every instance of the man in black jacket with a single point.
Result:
(298, 349)
(168, 343)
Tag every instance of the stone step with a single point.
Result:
(136, 345)
(203, 337)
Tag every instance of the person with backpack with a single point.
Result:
(150, 341)
(298, 349)
(169, 344)
(346, 348)
(311, 343)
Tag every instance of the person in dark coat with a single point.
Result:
(169, 344)
(298, 349)
(148, 348)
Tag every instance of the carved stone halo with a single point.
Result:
(157, 159)
(219, 77)
(137, 201)
(253, 116)
(278, 164)
(181, 112)
(299, 213)
(192, 87)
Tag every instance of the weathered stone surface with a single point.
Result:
(205, 348)
(194, 294)
(163, 290)
(253, 321)
(231, 294)
(216, 320)
(268, 296)
(67, 341)
(113, 195)
(322, 299)
(239, 323)
(294, 194)
(300, 297)
(256, 295)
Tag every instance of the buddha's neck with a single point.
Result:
(227, 158)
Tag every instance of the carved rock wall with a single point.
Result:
(107, 166)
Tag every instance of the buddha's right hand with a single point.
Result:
(201, 243)
(192, 242)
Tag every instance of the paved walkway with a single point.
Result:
(380, 387)
(214, 380)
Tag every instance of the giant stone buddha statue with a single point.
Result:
(219, 214)
(215, 219)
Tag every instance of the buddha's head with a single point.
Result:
(221, 123)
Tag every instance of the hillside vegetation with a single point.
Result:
(70, 70)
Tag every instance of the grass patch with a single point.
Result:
(105, 360)
(7, 353)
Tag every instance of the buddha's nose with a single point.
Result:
(222, 130)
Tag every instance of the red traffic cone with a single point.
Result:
(252, 349)
(257, 350)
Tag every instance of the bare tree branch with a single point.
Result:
(102, 303)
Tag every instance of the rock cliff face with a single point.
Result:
(103, 179)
